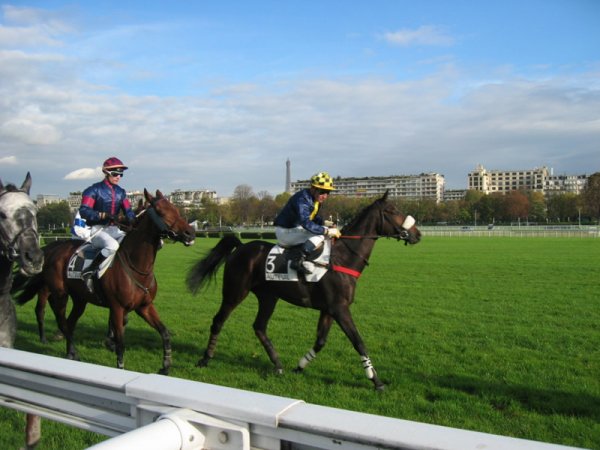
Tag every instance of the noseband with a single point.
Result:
(400, 233)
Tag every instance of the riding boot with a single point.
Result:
(87, 273)
(299, 256)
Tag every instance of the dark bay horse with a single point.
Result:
(20, 245)
(128, 285)
(245, 272)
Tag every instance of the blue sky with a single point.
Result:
(212, 95)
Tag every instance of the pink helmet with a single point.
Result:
(113, 163)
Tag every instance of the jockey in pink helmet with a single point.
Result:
(100, 205)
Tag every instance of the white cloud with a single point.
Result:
(84, 174)
(424, 35)
(30, 132)
(8, 160)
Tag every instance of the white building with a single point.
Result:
(414, 187)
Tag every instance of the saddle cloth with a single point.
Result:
(277, 266)
(82, 258)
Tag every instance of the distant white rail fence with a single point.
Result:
(157, 412)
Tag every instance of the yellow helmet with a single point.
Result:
(322, 180)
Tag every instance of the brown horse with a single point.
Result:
(332, 295)
(128, 285)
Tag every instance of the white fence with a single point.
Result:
(158, 412)
(524, 231)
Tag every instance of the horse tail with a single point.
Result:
(206, 269)
(25, 288)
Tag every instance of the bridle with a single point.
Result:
(400, 233)
(10, 248)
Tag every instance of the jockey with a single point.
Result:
(100, 206)
(298, 221)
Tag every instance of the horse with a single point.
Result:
(332, 295)
(127, 285)
(44, 294)
(19, 244)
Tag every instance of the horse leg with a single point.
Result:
(266, 306)
(345, 321)
(40, 312)
(33, 431)
(115, 322)
(323, 327)
(59, 308)
(150, 315)
(109, 341)
(234, 292)
(76, 312)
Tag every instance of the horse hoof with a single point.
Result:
(279, 371)
(380, 387)
(202, 363)
(163, 371)
(298, 370)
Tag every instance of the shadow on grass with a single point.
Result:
(539, 400)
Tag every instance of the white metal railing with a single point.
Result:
(158, 412)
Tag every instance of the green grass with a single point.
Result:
(499, 335)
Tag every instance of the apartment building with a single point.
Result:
(413, 187)
(539, 179)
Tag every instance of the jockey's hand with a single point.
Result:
(328, 223)
(333, 233)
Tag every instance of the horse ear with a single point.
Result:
(148, 196)
(159, 194)
(1, 186)
(385, 196)
(27, 183)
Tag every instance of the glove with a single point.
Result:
(333, 233)
(328, 223)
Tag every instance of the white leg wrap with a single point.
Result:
(310, 355)
(366, 361)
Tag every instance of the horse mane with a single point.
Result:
(363, 214)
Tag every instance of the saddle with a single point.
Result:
(277, 266)
(82, 258)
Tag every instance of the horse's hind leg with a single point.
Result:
(76, 311)
(150, 315)
(233, 294)
(40, 310)
(325, 321)
(266, 306)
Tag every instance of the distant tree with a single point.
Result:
(516, 205)
(243, 205)
(591, 196)
(54, 215)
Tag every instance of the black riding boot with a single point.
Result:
(299, 256)
(87, 273)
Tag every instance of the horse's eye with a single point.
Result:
(2, 215)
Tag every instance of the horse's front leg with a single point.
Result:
(115, 322)
(344, 319)
(150, 315)
(323, 327)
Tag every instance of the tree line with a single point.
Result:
(250, 209)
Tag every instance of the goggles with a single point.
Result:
(115, 173)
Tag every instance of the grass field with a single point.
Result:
(499, 335)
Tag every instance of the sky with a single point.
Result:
(216, 94)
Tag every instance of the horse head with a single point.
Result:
(168, 220)
(19, 241)
(395, 224)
